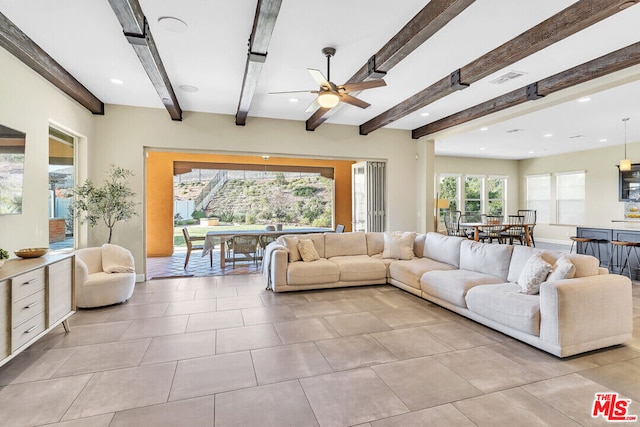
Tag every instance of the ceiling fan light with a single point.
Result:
(328, 99)
(625, 165)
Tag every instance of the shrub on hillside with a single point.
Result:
(304, 191)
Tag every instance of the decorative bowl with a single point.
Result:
(31, 252)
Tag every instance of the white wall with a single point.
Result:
(29, 103)
(123, 134)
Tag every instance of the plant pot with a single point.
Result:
(213, 222)
(204, 222)
(278, 227)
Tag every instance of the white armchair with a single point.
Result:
(104, 276)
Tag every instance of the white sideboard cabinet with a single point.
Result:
(36, 295)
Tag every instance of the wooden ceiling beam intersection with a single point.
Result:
(599, 67)
(435, 15)
(26, 50)
(263, 23)
(136, 30)
(571, 20)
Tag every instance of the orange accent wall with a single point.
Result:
(159, 191)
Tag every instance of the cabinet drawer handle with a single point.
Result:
(33, 304)
(28, 282)
(31, 329)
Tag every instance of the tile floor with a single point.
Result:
(199, 266)
(223, 351)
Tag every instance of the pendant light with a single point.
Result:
(625, 164)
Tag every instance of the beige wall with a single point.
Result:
(124, 133)
(29, 103)
(601, 185)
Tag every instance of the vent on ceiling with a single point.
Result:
(577, 136)
(514, 130)
(507, 77)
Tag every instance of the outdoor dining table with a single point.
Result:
(222, 236)
(477, 228)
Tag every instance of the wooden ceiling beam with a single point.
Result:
(599, 67)
(565, 23)
(136, 30)
(263, 23)
(26, 50)
(435, 15)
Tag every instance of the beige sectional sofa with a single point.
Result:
(479, 281)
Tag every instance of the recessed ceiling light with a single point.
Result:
(530, 152)
(483, 148)
(584, 99)
(294, 100)
(483, 129)
(425, 114)
(189, 88)
(172, 24)
(117, 81)
(548, 135)
(603, 140)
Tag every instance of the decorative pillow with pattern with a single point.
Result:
(535, 272)
(291, 243)
(399, 245)
(563, 268)
(307, 250)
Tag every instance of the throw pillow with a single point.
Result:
(535, 272)
(562, 269)
(291, 243)
(307, 250)
(399, 245)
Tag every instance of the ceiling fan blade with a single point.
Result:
(313, 107)
(353, 101)
(319, 78)
(294, 91)
(362, 86)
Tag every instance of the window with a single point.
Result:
(570, 198)
(496, 187)
(539, 197)
(473, 196)
(61, 183)
(449, 190)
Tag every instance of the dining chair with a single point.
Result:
(515, 229)
(245, 247)
(194, 247)
(263, 241)
(451, 223)
(491, 231)
(530, 219)
(468, 232)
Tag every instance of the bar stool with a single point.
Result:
(588, 243)
(617, 246)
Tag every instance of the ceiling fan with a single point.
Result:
(330, 94)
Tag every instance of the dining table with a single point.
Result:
(222, 236)
(478, 226)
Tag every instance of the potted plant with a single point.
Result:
(112, 202)
(4, 255)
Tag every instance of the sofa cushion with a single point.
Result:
(399, 245)
(418, 245)
(452, 285)
(312, 273)
(562, 269)
(443, 248)
(375, 243)
(586, 265)
(116, 259)
(409, 272)
(486, 258)
(535, 272)
(345, 244)
(387, 262)
(504, 304)
(360, 267)
(307, 250)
